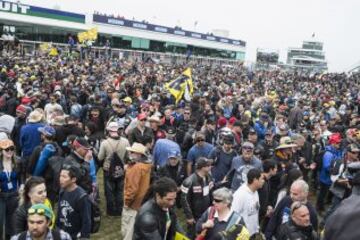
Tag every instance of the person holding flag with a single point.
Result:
(182, 86)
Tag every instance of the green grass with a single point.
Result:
(110, 228)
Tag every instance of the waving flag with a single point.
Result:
(88, 35)
(182, 86)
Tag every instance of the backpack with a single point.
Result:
(95, 213)
(335, 165)
(55, 233)
(116, 168)
(52, 175)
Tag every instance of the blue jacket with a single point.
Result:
(162, 149)
(29, 138)
(330, 154)
(261, 129)
(48, 151)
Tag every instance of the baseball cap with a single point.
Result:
(141, 116)
(21, 108)
(335, 138)
(174, 154)
(81, 142)
(352, 148)
(47, 130)
(170, 130)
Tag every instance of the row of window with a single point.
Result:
(42, 33)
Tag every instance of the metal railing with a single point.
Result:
(33, 48)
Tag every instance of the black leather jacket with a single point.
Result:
(84, 180)
(20, 218)
(150, 223)
(290, 231)
(193, 200)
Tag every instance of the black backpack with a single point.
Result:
(335, 165)
(95, 213)
(52, 175)
(116, 168)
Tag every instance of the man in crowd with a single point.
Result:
(299, 191)
(332, 154)
(38, 221)
(298, 226)
(222, 157)
(156, 219)
(246, 200)
(113, 171)
(82, 157)
(137, 182)
(164, 146)
(199, 149)
(241, 165)
(74, 209)
(195, 193)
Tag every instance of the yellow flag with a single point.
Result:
(44, 47)
(53, 52)
(181, 86)
(91, 34)
(179, 236)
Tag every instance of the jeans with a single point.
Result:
(334, 205)
(323, 193)
(114, 190)
(8, 205)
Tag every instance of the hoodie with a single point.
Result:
(330, 154)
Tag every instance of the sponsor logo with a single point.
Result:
(13, 7)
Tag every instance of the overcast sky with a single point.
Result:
(273, 24)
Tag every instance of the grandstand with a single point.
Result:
(35, 23)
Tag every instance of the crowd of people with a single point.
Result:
(254, 155)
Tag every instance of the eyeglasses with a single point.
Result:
(217, 200)
(39, 211)
(9, 149)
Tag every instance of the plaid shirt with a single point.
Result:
(63, 236)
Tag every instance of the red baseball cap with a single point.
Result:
(335, 138)
(141, 116)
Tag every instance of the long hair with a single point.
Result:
(29, 185)
(13, 160)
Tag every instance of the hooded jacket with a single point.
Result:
(331, 153)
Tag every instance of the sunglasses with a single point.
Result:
(217, 200)
(39, 211)
(9, 149)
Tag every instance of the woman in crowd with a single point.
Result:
(216, 221)
(10, 180)
(34, 193)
